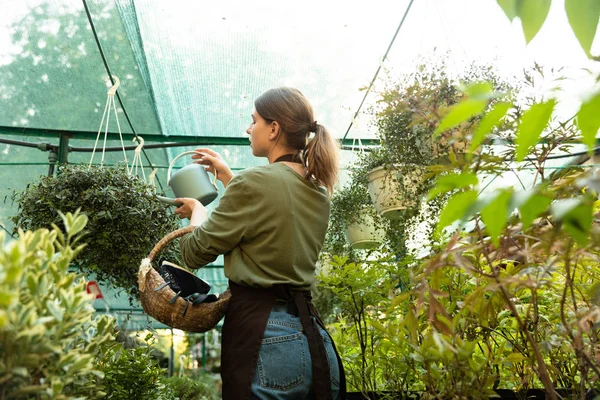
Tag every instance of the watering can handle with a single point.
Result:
(173, 163)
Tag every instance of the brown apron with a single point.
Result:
(243, 331)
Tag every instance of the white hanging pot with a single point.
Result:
(363, 233)
(393, 191)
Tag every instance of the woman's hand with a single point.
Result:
(192, 209)
(214, 161)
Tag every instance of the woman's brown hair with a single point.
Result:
(294, 114)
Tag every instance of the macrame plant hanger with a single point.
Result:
(110, 100)
(137, 158)
(360, 148)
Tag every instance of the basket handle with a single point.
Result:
(167, 239)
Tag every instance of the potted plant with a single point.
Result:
(125, 218)
(362, 231)
(394, 188)
(406, 118)
(353, 220)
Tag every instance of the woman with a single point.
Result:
(270, 224)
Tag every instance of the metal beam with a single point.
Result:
(191, 140)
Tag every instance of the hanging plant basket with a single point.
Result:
(125, 218)
(363, 233)
(395, 190)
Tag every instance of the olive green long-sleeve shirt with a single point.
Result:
(270, 224)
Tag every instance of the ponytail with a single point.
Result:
(321, 158)
(292, 110)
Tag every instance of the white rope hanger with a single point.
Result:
(109, 100)
(137, 159)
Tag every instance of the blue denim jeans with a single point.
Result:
(284, 370)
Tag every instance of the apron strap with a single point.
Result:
(320, 366)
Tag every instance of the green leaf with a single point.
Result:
(495, 214)
(55, 309)
(456, 208)
(533, 13)
(588, 121)
(594, 293)
(480, 91)
(515, 357)
(532, 208)
(579, 222)
(396, 301)
(447, 183)
(561, 208)
(576, 216)
(32, 284)
(461, 112)
(532, 124)
(583, 17)
(509, 7)
(83, 362)
(490, 120)
(6, 298)
(77, 225)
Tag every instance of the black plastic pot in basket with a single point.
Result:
(163, 304)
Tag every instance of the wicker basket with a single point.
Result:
(198, 318)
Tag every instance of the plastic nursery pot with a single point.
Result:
(393, 191)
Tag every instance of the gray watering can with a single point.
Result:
(190, 181)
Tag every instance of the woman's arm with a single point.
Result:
(225, 227)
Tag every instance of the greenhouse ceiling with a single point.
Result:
(189, 70)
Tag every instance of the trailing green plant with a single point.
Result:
(412, 150)
(49, 337)
(406, 116)
(126, 219)
(349, 205)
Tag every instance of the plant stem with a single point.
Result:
(542, 370)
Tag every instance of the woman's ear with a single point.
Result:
(275, 129)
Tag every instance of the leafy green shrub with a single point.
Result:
(184, 388)
(48, 336)
(373, 361)
(132, 374)
(126, 219)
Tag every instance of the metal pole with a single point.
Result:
(63, 148)
(52, 158)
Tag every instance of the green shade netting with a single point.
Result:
(187, 69)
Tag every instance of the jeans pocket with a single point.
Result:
(282, 362)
